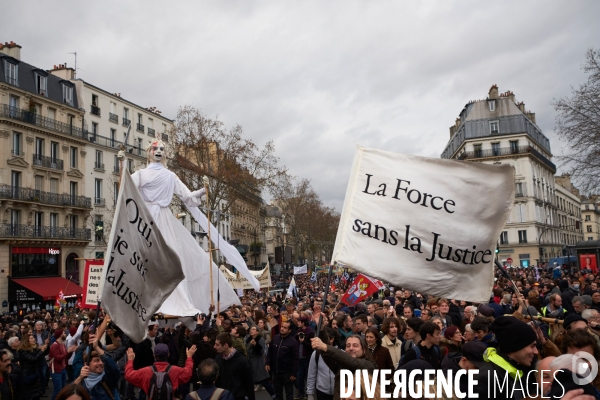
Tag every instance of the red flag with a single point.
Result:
(361, 288)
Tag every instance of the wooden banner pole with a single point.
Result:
(212, 299)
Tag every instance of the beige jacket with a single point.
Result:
(395, 349)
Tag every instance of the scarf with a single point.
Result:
(93, 379)
(230, 355)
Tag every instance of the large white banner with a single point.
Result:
(141, 270)
(238, 281)
(429, 225)
(301, 270)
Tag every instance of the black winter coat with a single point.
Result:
(236, 376)
(283, 355)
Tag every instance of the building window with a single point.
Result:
(15, 217)
(54, 151)
(11, 73)
(17, 144)
(73, 223)
(99, 228)
(140, 119)
(73, 189)
(125, 138)
(590, 238)
(15, 179)
(53, 220)
(522, 236)
(589, 229)
(68, 94)
(496, 149)
(98, 200)
(115, 192)
(514, 146)
(477, 150)
(73, 157)
(504, 237)
(492, 105)
(494, 127)
(39, 182)
(53, 185)
(116, 167)
(519, 189)
(41, 84)
(94, 100)
(39, 146)
(587, 218)
(521, 212)
(130, 166)
(99, 164)
(94, 128)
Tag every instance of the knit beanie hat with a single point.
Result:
(450, 331)
(58, 333)
(512, 334)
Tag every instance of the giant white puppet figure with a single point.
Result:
(157, 185)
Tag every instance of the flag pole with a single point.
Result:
(212, 301)
(324, 301)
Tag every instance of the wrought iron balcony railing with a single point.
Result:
(140, 127)
(44, 232)
(33, 118)
(151, 132)
(98, 201)
(164, 137)
(95, 110)
(505, 151)
(126, 122)
(48, 162)
(38, 196)
(113, 118)
(98, 165)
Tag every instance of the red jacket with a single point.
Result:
(58, 352)
(142, 377)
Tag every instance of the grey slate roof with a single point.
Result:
(27, 78)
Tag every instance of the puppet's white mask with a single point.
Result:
(156, 152)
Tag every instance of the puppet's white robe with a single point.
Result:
(157, 186)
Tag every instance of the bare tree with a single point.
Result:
(238, 167)
(578, 124)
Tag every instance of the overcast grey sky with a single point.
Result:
(318, 77)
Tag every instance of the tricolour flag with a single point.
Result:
(300, 270)
(141, 270)
(362, 287)
(428, 225)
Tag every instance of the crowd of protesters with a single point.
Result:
(270, 342)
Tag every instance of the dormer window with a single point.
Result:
(41, 83)
(492, 105)
(68, 95)
(494, 127)
(11, 73)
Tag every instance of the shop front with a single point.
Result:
(35, 261)
(30, 294)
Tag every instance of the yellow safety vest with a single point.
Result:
(492, 356)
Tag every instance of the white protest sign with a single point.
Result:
(300, 270)
(92, 283)
(428, 225)
(141, 270)
(238, 281)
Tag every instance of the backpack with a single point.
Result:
(418, 353)
(160, 385)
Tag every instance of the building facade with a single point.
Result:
(569, 212)
(498, 130)
(590, 213)
(43, 208)
(107, 120)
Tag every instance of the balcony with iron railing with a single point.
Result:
(113, 118)
(38, 196)
(48, 162)
(506, 151)
(139, 128)
(95, 110)
(99, 201)
(521, 192)
(98, 166)
(151, 132)
(33, 118)
(164, 137)
(44, 232)
(115, 144)
(126, 122)
(116, 169)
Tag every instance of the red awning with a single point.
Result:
(48, 288)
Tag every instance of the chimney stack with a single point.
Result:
(521, 106)
(493, 93)
(531, 116)
(11, 49)
(63, 72)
